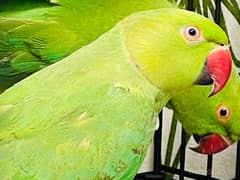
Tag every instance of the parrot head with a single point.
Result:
(215, 121)
(175, 49)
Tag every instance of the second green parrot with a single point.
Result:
(215, 121)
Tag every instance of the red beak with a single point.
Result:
(211, 144)
(219, 63)
(217, 69)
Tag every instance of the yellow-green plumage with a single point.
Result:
(81, 124)
(92, 115)
(35, 34)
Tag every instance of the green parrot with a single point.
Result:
(35, 34)
(214, 122)
(93, 114)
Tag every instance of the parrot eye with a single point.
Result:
(192, 34)
(223, 113)
(192, 31)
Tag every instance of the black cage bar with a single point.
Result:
(160, 170)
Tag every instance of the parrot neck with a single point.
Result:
(158, 73)
(151, 53)
(161, 100)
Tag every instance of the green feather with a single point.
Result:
(93, 114)
(35, 34)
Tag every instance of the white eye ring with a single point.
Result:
(192, 34)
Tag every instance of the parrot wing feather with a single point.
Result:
(23, 52)
(68, 140)
(76, 131)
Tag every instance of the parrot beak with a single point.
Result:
(211, 143)
(216, 70)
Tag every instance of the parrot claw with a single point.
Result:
(211, 143)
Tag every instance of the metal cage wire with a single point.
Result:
(160, 169)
